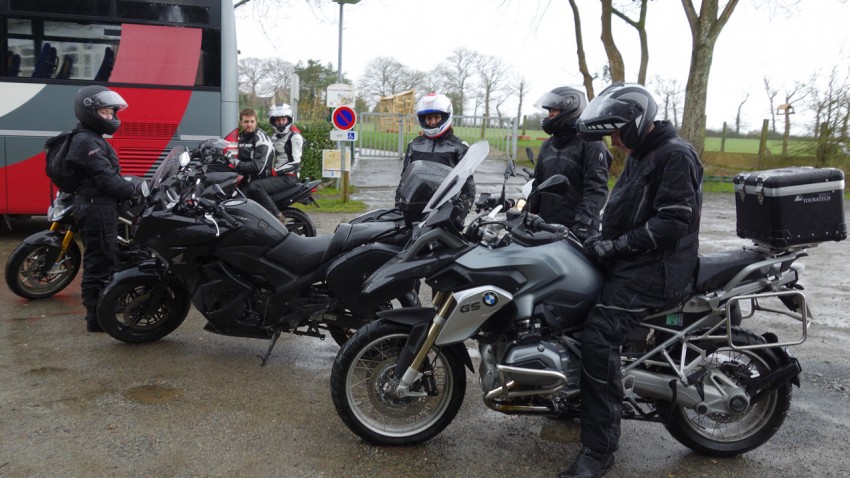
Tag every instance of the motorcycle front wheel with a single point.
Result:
(726, 435)
(363, 388)
(298, 222)
(30, 272)
(126, 311)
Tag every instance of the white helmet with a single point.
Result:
(430, 104)
(281, 111)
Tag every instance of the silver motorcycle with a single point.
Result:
(521, 289)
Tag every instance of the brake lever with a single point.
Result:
(210, 218)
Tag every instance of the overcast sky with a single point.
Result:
(537, 39)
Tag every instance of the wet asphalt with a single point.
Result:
(196, 404)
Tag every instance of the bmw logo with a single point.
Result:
(490, 298)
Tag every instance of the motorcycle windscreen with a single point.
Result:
(453, 183)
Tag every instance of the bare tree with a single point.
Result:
(519, 89)
(788, 108)
(252, 73)
(640, 26)
(671, 94)
(738, 115)
(616, 66)
(386, 76)
(278, 74)
(771, 96)
(491, 72)
(457, 73)
(705, 29)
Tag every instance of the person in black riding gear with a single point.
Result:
(437, 142)
(647, 248)
(255, 158)
(100, 189)
(287, 146)
(584, 163)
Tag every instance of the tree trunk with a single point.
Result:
(587, 78)
(615, 59)
(705, 28)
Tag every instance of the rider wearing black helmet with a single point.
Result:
(584, 163)
(101, 187)
(647, 247)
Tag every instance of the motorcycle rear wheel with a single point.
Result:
(362, 382)
(29, 271)
(731, 435)
(298, 222)
(123, 310)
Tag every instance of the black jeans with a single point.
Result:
(98, 226)
(260, 190)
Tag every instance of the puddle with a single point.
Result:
(560, 432)
(152, 394)
(46, 370)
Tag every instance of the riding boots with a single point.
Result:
(589, 464)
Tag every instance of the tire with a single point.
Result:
(29, 274)
(731, 435)
(298, 222)
(340, 335)
(121, 310)
(361, 380)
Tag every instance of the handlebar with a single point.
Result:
(535, 222)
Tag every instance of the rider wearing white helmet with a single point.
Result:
(437, 142)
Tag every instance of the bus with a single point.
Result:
(173, 61)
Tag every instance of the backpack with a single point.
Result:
(60, 171)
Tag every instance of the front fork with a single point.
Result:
(67, 239)
(445, 303)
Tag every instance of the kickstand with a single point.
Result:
(269, 351)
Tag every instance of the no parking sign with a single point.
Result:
(343, 118)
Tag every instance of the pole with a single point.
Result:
(341, 144)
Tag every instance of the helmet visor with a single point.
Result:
(603, 116)
(552, 100)
(105, 99)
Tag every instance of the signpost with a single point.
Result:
(343, 135)
(343, 118)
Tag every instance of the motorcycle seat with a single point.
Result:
(715, 270)
(301, 254)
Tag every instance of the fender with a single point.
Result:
(419, 319)
(46, 238)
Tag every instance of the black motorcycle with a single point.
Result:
(245, 272)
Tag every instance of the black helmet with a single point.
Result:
(214, 150)
(89, 99)
(570, 101)
(627, 107)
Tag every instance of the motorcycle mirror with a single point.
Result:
(145, 189)
(557, 184)
(510, 169)
(530, 153)
(184, 159)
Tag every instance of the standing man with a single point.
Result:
(100, 189)
(648, 249)
(584, 163)
(437, 142)
(287, 146)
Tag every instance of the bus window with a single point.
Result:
(79, 7)
(66, 50)
(162, 12)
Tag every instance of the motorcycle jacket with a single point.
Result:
(255, 155)
(585, 164)
(446, 149)
(98, 165)
(656, 205)
(288, 147)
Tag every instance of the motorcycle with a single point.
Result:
(218, 171)
(521, 289)
(47, 261)
(245, 272)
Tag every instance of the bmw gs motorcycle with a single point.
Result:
(521, 289)
(244, 272)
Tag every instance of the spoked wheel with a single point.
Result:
(733, 434)
(363, 384)
(127, 310)
(30, 271)
(340, 335)
(298, 222)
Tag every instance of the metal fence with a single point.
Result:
(385, 135)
